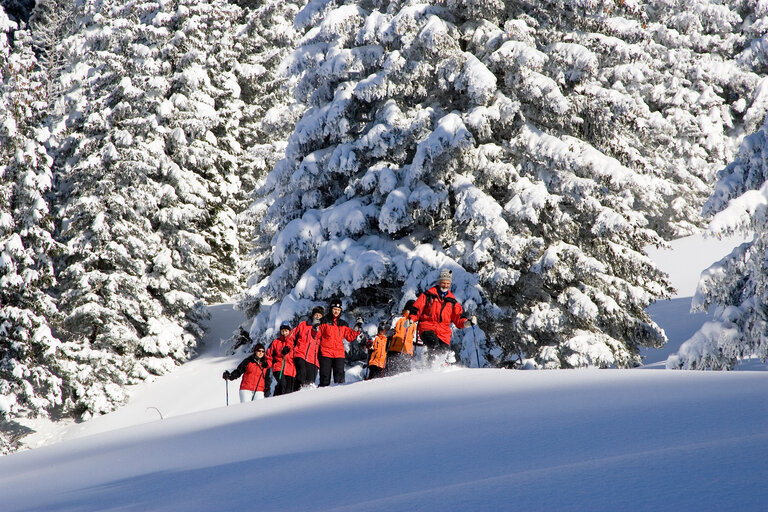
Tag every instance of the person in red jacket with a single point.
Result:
(437, 310)
(279, 358)
(305, 344)
(333, 332)
(254, 370)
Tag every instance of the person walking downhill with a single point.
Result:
(377, 358)
(437, 309)
(333, 332)
(254, 370)
(402, 338)
(305, 345)
(280, 360)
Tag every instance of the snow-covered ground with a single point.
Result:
(459, 439)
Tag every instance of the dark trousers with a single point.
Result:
(284, 385)
(374, 372)
(330, 365)
(398, 362)
(306, 373)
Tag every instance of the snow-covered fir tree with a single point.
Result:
(535, 149)
(29, 384)
(269, 113)
(144, 182)
(736, 286)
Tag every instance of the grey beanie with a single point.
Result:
(445, 275)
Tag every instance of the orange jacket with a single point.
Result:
(275, 357)
(404, 335)
(333, 332)
(436, 314)
(378, 349)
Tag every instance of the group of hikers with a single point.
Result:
(316, 345)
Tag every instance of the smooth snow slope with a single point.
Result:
(461, 440)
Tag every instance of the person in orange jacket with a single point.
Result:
(254, 370)
(401, 340)
(279, 358)
(306, 338)
(333, 332)
(437, 310)
(377, 359)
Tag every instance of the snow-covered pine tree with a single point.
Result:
(202, 112)
(452, 134)
(29, 385)
(269, 113)
(735, 286)
(131, 217)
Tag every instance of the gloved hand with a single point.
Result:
(225, 375)
(473, 320)
(285, 351)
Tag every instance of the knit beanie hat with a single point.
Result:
(445, 275)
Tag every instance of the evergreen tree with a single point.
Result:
(735, 286)
(29, 384)
(511, 142)
(132, 217)
(268, 115)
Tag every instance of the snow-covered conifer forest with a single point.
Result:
(158, 156)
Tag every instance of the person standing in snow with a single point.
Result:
(254, 370)
(377, 358)
(402, 338)
(333, 332)
(280, 360)
(305, 345)
(437, 310)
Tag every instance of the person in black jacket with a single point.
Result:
(255, 372)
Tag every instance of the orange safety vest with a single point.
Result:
(405, 334)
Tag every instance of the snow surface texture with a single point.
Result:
(461, 439)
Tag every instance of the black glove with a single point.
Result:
(285, 351)
(225, 375)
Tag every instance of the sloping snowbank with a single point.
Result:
(461, 440)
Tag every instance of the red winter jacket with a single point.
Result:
(436, 314)
(254, 373)
(275, 357)
(333, 332)
(305, 342)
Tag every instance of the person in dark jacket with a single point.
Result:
(254, 370)
(333, 332)
(437, 310)
(306, 338)
(279, 358)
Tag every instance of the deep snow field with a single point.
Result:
(444, 440)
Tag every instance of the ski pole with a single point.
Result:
(226, 387)
(477, 352)
(282, 367)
